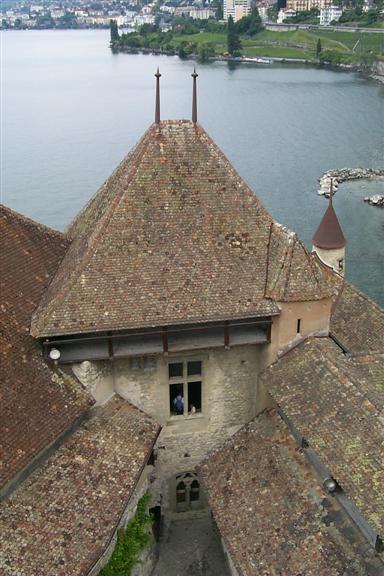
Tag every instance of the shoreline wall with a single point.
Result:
(337, 176)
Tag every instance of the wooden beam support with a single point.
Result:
(226, 334)
(110, 348)
(165, 339)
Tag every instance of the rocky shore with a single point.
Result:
(376, 200)
(335, 177)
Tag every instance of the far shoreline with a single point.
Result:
(258, 61)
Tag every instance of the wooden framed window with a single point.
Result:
(185, 387)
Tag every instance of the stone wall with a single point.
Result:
(229, 392)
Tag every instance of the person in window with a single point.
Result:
(178, 404)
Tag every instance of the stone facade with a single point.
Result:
(229, 400)
(230, 392)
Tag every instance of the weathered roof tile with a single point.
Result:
(336, 403)
(272, 513)
(357, 322)
(173, 236)
(60, 521)
(37, 402)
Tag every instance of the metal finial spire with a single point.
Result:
(194, 97)
(331, 193)
(157, 107)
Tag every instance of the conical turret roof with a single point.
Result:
(329, 234)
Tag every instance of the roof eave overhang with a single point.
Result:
(148, 325)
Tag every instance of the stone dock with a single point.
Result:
(337, 176)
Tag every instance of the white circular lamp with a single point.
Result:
(54, 354)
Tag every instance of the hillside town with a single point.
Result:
(166, 14)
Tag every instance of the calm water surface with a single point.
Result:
(71, 110)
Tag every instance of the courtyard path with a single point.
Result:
(191, 547)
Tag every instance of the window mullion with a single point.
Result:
(186, 404)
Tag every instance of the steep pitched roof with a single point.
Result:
(271, 511)
(357, 322)
(294, 275)
(336, 403)
(173, 236)
(37, 403)
(61, 520)
(329, 234)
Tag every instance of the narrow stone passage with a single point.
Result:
(191, 547)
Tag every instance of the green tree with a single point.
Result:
(366, 61)
(182, 52)
(251, 24)
(372, 16)
(146, 29)
(114, 31)
(233, 40)
(69, 20)
(318, 47)
(205, 51)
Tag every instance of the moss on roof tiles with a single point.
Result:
(272, 512)
(336, 403)
(61, 519)
(357, 322)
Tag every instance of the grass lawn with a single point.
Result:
(278, 52)
(202, 37)
(367, 40)
(292, 43)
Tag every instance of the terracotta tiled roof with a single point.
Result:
(293, 274)
(336, 402)
(173, 236)
(357, 322)
(329, 234)
(37, 403)
(60, 521)
(271, 512)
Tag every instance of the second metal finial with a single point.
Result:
(194, 97)
(157, 106)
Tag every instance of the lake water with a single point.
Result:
(71, 110)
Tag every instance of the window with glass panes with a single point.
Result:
(185, 387)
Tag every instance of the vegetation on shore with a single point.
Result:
(248, 38)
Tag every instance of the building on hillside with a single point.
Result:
(306, 5)
(236, 8)
(368, 5)
(194, 12)
(263, 13)
(285, 13)
(330, 14)
(195, 321)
